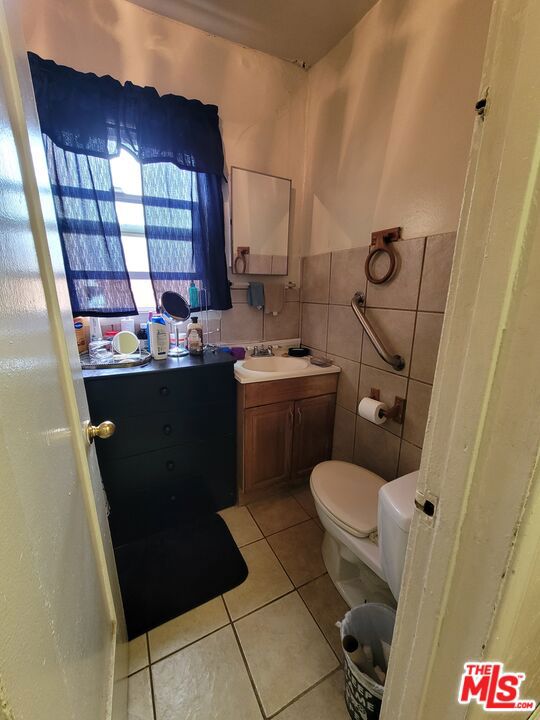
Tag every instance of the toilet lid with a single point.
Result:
(349, 493)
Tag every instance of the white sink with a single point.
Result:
(275, 364)
(262, 369)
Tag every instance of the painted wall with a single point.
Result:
(261, 99)
(389, 122)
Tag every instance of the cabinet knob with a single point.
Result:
(170, 465)
(167, 429)
(164, 391)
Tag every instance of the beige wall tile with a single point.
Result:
(344, 333)
(347, 391)
(314, 325)
(279, 264)
(274, 640)
(241, 324)
(186, 628)
(259, 264)
(285, 324)
(409, 459)
(344, 428)
(265, 582)
(238, 295)
(316, 278)
(241, 525)
(327, 607)
(418, 399)
(390, 385)
(395, 329)
(277, 514)
(436, 272)
(402, 290)
(140, 696)
(376, 449)
(179, 689)
(347, 275)
(299, 551)
(427, 336)
(292, 294)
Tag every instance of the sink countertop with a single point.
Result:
(243, 375)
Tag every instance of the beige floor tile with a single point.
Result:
(185, 629)
(277, 514)
(207, 681)
(140, 696)
(241, 524)
(266, 581)
(285, 650)
(299, 551)
(324, 702)
(327, 607)
(305, 498)
(138, 654)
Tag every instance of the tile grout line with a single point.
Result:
(152, 693)
(305, 692)
(246, 664)
(402, 438)
(296, 589)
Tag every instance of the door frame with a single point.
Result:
(480, 464)
(21, 109)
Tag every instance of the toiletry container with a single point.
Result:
(142, 334)
(194, 337)
(193, 295)
(159, 338)
(81, 334)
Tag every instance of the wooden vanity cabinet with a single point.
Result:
(285, 428)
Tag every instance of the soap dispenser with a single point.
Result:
(193, 295)
(194, 337)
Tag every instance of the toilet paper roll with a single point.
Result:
(370, 409)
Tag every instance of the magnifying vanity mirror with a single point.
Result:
(260, 210)
(175, 308)
(125, 343)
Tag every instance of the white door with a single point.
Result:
(62, 649)
(471, 590)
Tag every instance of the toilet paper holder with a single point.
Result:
(396, 412)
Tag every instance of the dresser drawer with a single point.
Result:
(158, 475)
(143, 433)
(158, 392)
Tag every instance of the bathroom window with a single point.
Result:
(126, 175)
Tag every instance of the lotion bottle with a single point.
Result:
(194, 337)
(159, 338)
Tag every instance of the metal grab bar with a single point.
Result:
(396, 361)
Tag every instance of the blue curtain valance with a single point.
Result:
(84, 113)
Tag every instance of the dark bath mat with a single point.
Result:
(173, 571)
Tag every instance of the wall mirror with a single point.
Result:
(260, 210)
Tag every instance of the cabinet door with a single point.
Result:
(268, 432)
(313, 431)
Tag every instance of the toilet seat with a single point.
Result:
(349, 494)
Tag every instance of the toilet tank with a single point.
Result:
(395, 511)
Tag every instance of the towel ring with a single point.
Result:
(381, 242)
(242, 252)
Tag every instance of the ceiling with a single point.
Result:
(302, 31)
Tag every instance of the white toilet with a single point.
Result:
(355, 506)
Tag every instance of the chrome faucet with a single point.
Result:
(262, 351)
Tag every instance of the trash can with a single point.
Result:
(371, 624)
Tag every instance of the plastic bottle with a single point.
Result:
(194, 337)
(142, 334)
(159, 338)
(80, 334)
(193, 295)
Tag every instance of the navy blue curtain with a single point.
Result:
(178, 143)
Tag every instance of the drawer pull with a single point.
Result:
(167, 429)
(170, 465)
(164, 391)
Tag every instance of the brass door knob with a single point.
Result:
(104, 430)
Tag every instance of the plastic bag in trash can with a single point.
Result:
(371, 624)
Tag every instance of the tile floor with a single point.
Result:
(267, 649)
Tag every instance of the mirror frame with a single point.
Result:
(235, 254)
